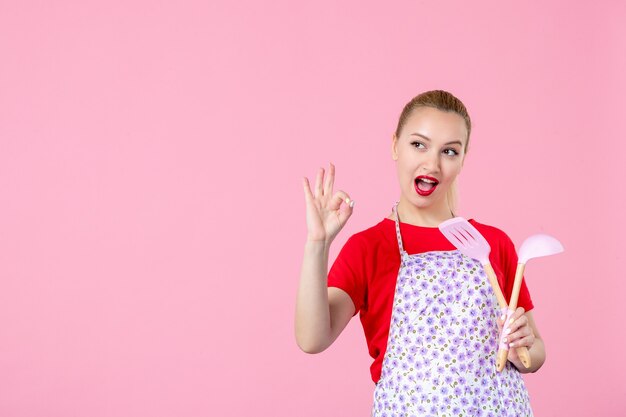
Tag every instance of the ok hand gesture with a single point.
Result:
(325, 215)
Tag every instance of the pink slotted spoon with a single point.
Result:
(471, 243)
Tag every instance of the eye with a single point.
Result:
(418, 145)
(450, 152)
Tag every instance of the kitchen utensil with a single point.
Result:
(534, 246)
(468, 240)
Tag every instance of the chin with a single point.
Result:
(420, 202)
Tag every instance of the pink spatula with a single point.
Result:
(471, 243)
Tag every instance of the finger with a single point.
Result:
(518, 334)
(330, 180)
(319, 181)
(308, 194)
(519, 312)
(521, 322)
(504, 311)
(522, 332)
(343, 211)
(346, 210)
(338, 198)
(527, 341)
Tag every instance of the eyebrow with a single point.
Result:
(454, 142)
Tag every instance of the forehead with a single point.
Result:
(435, 124)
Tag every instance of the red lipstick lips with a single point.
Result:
(425, 185)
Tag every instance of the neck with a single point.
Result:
(425, 217)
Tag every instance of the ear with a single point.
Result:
(394, 147)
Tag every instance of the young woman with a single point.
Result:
(430, 318)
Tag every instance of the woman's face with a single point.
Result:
(429, 155)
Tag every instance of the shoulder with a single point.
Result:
(374, 237)
(502, 247)
(492, 233)
(360, 253)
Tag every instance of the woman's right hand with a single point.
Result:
(325, 215)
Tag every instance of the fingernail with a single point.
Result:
(502, 317)
(347, 200)
(504, 340)
(513, 344)
(351, 203)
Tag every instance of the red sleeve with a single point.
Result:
(348, 271)
(508, 260)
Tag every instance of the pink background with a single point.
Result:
(151, 210)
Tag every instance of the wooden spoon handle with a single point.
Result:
(517, 284)
(521, 351)
(493, 280)
(524, 356)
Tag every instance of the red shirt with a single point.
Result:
(368, 265)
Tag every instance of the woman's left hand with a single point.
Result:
(517, 332)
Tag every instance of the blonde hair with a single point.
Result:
(444, 101)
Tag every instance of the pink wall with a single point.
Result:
(152, 218)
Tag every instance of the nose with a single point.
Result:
(431, 162)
